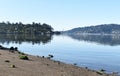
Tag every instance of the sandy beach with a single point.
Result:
(12, 65)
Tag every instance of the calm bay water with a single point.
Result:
(95, 52)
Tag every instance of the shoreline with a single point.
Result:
(11, 64)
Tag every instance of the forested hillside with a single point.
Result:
(99, 29)
(20, 28)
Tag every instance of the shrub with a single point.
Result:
(11, 48)
(51, 56)
(23, 57)
(16, 49)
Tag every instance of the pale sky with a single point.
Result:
(61, 14)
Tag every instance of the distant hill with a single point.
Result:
(99, 29)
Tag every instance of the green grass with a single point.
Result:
(23, 57)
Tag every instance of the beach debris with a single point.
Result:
(75, 64)
(102, 70)
(99, 72)
(86, 67)
(12, 49)
(12, 66)
(7, 61)
(49, 56)
(47, 64)
(43, 56)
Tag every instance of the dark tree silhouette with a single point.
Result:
(20, 28)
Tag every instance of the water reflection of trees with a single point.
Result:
(102, 39)
(30, 38)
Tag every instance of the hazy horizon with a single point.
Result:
(61, 14)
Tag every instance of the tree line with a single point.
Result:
(20, 28)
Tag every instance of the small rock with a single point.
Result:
(7, 61)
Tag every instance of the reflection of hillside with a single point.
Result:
(102, 39)
(19, 38)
